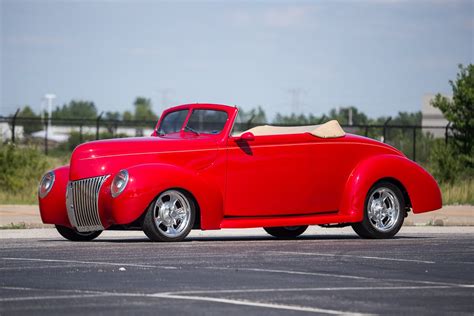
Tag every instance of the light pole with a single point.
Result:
(50, 97)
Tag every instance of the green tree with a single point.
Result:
(343, 114)
(340, 114)
(143, 110)
(29, 126)
(76, 109)
(292, 119)
(111, 121)
(254, 116)
(112, 116)
(456, 160)
(127, 116)
(460, 111)
(402, 138)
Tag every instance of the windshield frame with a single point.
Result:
(166, 114)
(222, 136)
(192, 130)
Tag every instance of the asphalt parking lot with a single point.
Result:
(425, 270)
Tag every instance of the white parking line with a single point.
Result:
(343, 276)
(315, 289)
(257, 304)
(51, 297)
(17, 288)
(350, 256)
(92, 263)
(31, 268)
(178, 296)
(188, 295)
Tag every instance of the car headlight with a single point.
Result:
(46, 184)
(119, 183)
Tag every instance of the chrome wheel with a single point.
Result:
(384, 212)
(383, 209)
(172, 214)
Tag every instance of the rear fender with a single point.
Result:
(421, 187)
(147, 181)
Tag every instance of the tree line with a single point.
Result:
(143, 111)
(450, 160)
(87, 110)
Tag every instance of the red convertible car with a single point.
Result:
(196, 172)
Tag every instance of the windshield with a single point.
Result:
(172, 122)
(206, 121)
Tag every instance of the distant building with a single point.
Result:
(6, 132)
(60, 133)
(432, 117)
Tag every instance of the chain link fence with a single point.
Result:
(63, 135)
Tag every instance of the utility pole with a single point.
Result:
(42, 110)
(295, 96)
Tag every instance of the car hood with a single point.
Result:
(106, 157)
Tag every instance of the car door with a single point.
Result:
(268, 176)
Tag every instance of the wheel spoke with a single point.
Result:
(379, 222)
(373, 204)
(173, 200)
(171, 230)
(157, 208)
(181, 213)
(371, 214)
(158, 222)
(157, 213)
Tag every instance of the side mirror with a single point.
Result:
(247, 136)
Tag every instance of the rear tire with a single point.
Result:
(384, 212)
(286, 231)
(74, 235)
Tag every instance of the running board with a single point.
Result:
(298, 220)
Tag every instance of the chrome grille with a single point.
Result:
(82, 201)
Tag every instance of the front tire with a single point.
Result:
(286, 231)
(74, 235)
(170, 217)
(384, 212)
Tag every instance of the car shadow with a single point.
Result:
(245, 238)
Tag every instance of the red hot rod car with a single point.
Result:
(195, 172)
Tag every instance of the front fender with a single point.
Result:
(421, 187)
(147, 181)
(53, 206)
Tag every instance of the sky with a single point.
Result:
(381, 56)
